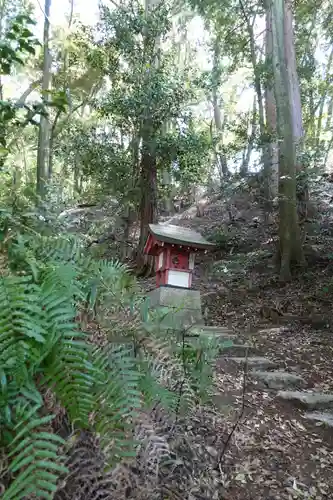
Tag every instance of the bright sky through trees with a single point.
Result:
(86, 10)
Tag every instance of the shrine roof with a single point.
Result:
(179, 236)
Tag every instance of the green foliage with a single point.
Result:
(36, 456)
(221, 238)
(185, 152)
(198, 362)
(41, 346)
(149, 106)
(18, 42)
(46, 283)
(118, 400)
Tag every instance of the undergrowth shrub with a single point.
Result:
(49, 288)
(223, 239)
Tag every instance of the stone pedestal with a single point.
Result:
(175, 308)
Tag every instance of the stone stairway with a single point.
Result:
(268, 375)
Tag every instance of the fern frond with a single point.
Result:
(155, 393)
(154, 449)
(200, 359)
(69, 372)
(15, 398)
(22, 328)
(65, 248)
(36, 462)
(118, 400)
(67, 366)
(110, 282)
(169, 371)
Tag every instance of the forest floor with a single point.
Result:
(275, 453)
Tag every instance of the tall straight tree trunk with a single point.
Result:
(302, 188)
(323, 101)
(270, 108)
(293, 87)
(261, 110)
(219, 125)
(289, 127)
(44, 125)
(148, 167)
(328, 123)
(53, 127)
(249, 147)
(148, 207)
(220, 156)
(328, 128)
(3, 9)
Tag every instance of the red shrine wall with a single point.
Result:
(173, 263)
(174, 267)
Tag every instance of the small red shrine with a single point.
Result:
(174, 249)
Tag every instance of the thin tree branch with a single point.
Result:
(21, 100)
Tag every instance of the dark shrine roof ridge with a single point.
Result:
(179, 235)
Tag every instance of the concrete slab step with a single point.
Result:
(201, 333)
(308, 400)
(277, 379)
(325, 418)
(258, 362)
(194, 331)
(220, 342)
(211, 330)
(238, 350)
(270, 331)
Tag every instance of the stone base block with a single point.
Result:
(175, 308)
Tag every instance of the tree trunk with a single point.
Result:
(302, 188)
(249, 147)
(52, 133)
(322, 102)
(148, 210)
(53, 128)
(259, 92)
(272, 178)
(288, 126)
(148, 205)
(219, 125)
(328, 124)
(148, 167)
(293, 87)
(44, 125)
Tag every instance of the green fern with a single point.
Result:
(67, 367)
(118, 400)
(36, 461)
(22, 330)
(169, 371)
(41, 345)
(155, 393)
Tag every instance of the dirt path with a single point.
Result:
(275, 452)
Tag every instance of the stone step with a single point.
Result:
(218, 331)
(224, 337)
(193, 331)
(198, 335)
(153, 326)
(323, 417)
(308, 400)
(222, 343)
(253, 362)
(277, 379)
(237, 350)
